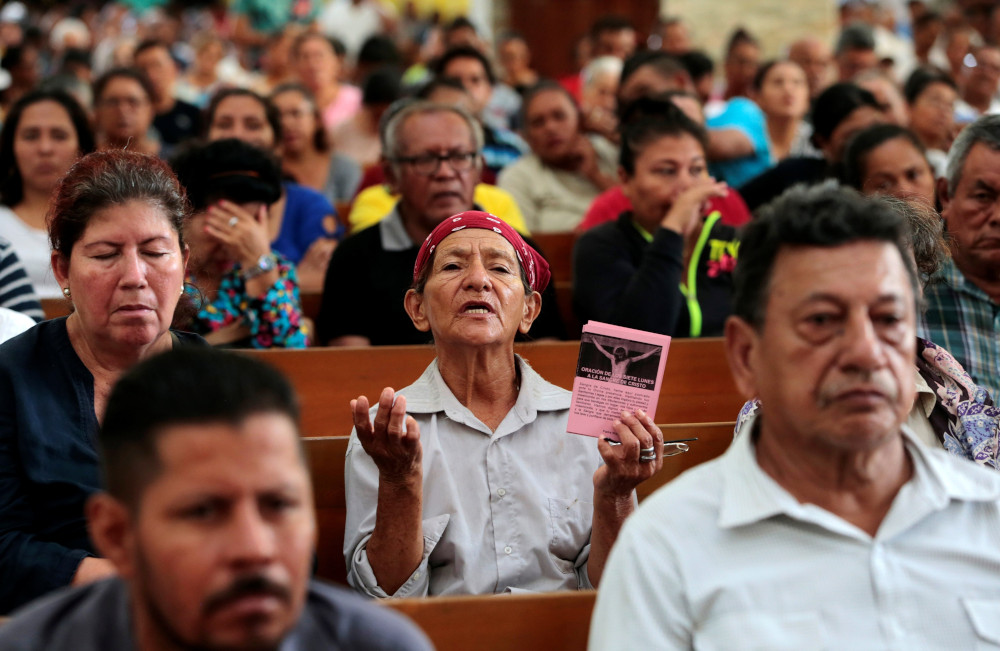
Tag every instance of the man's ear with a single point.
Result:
(413, 303)
(389, 172)
(742, 342)
(532, 308)
(943, 196)
(111, 528)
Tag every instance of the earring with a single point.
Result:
(66, 292)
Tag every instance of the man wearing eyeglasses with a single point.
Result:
(123, 111)
(432, 160)
(829, 525)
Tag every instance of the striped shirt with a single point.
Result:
(16, 292)
(965, 321)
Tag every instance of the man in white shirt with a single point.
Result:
(830, 526)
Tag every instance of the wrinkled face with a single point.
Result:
(664, 169)
(619, 43)
(473, 76)
(242, 117)
(474, 294)
(601, 93)
(123, 111)
(221, 547)
(552, 124)
(857, 120)
(316, 63)
(741, 65)
(833, 362)
(298, 120)
(428, 199)
(972, 215)
(985, 75)
(784, 91)
(125, 273)
(898, 169)
(932, 115)
(45, 145)
(159, 66)
(852, 61)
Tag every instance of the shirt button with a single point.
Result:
(501, 492)
(507, 550)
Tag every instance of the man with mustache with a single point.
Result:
(963, 299)
(208, 519)
(828, 524)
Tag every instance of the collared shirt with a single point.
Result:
(95, 617)
(723, 557)
(965, 321)
(503, 510)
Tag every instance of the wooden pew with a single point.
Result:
(697, 386)
(558, 250)
(326, 455)
(554, 621)
(56, 307)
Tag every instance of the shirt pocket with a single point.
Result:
(985, 616)
(569, 530)
(801, 631)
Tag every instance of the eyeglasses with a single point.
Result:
(670, 448)
(428, 164)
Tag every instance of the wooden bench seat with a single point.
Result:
(697, 386)
(553, 621)
(326, 457)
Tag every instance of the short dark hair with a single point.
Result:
(835, 103)
(464, 52)
(856, 36)
(544, 86)
(821, 216)
(270, 110)
(665, 64)
(459, 22)
(379, 50)
(697, 63)
(382, 86)
(151, 44)
(136, 75)
(921, 78)
(855, 158)
(11, 181)
(611, 23)
(740, 36)
(186, 385)
(228, 169)
(436, 82)
(649, 118)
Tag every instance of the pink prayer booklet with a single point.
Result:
(618, 368)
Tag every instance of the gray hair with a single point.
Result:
(600, 66)
(391, 142)
(985, 130)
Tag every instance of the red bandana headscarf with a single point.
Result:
(534, 265)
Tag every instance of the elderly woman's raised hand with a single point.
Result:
(393, 439)
(245, 234)
(624, 468)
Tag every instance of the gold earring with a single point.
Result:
(66, 292)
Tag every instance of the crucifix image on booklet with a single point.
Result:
(618, 368)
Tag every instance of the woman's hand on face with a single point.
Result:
(688, 208)
(623, 470)
(392, 440)
(245, 234)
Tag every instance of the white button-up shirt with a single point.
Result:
(503, 510)
(725, 558)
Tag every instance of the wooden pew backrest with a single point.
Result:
(555, 621)
(697, 386)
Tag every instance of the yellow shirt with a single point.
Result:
(374, 203)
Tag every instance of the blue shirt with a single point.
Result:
(741, 113)
(48, 461)
(302, 223)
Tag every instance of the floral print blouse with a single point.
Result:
(274, 319)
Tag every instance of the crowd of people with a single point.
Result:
(183, 177)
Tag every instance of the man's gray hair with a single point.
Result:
(599, 67)
(391, 142)
(985, 130)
